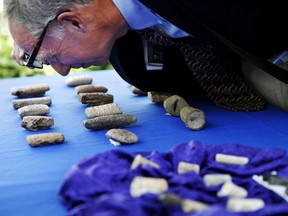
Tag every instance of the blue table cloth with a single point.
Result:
(30, 178)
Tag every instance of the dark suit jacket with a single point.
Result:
(255, 26)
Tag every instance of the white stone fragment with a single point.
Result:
(184, 167)
(77, 80)
(139, 159)
(216, 179)
(142, 185)
(189, 206)
(231, 159)
(115, 143)
(232, 190)
(244, 204)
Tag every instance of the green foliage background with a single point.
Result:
(9, 68)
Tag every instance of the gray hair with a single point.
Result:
(35, 14)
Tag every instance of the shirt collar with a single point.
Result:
(129, 8)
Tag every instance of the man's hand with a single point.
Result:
(18, 54)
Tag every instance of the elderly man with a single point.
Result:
(194, 47)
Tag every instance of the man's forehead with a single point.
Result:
(21, 36)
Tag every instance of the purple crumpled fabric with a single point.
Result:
(100, 185)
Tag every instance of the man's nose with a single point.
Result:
(61, 69)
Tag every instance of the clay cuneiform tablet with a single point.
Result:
(30, 90)
(102, 110)
(89, 88)
(45, 139)
(95, 98)
(35, 123)
(32, 110)
(110, 121)
(174, 104)
(193, 118)
(30, 101)
(122, 136)
(141, 185)
(77, 80)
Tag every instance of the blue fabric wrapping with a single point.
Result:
(100, 185)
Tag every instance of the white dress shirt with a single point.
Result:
(140, 17)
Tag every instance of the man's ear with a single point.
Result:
(73, 20)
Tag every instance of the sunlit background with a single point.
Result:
(9, 68)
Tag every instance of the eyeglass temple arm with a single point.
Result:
(38, 45)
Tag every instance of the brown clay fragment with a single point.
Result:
(30, 101)
(102, 110)
(45, 139)
(109, 121)
(158, 97)
(35, 123)
(95, 98)
(30, 90)
(89, 88)
(122, 136)
(32, 110)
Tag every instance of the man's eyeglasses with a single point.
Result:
(31, 61)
